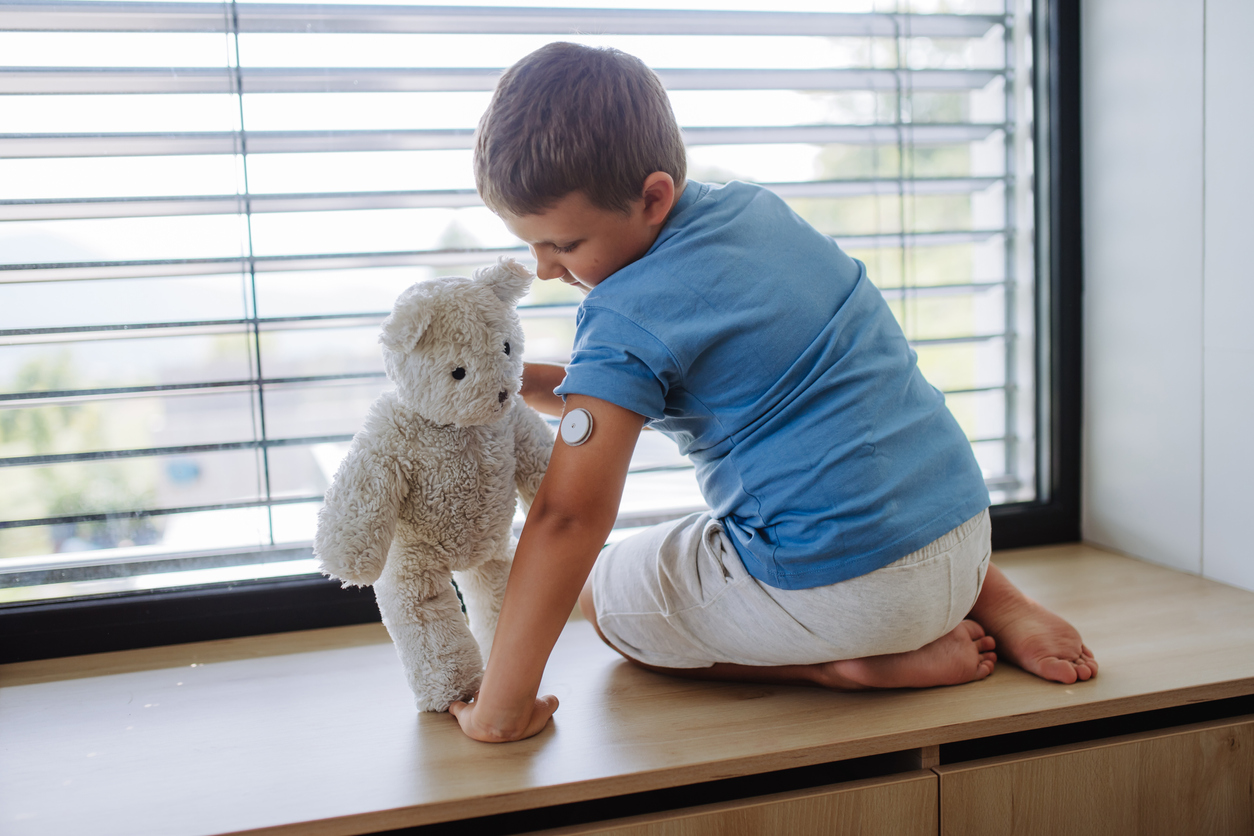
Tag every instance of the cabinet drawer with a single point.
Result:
(899, 805)
(1190, 779)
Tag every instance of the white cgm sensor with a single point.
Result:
(576, 426)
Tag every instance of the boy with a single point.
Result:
(848, 537)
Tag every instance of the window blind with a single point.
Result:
(206, 209)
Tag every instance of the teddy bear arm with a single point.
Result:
(358, 518)
(533, 444)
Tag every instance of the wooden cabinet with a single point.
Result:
(900, 805)
(1195, 779)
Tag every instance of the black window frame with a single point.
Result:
(121, 621)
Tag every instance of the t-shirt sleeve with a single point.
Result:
(616, 360)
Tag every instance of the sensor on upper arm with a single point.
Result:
(576, 426)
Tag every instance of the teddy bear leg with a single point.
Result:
(483, 588)
(440, 656)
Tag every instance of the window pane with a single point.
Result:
(364, 111)
(231, 293)
(132, 359)
(119, 113)
(165, 299)
(331, 408)
(321, 351)
(81, 425)
(118, 485)
(114, 49)
(360, 171)
(71, 177)
(382, 230)
(123, 239)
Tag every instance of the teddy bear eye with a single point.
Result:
(507, 346)
(459, 373)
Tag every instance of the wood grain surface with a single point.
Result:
(315, 732)
(1193, 779)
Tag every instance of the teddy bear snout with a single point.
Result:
(501, 396)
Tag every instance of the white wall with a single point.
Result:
(1169, 290)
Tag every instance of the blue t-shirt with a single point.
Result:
(766, 353)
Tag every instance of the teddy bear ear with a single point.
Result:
(411, 316)
(508, 279)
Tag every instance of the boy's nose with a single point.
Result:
(547, 268)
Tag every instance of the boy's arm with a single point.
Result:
(573, 513)
(538, 382)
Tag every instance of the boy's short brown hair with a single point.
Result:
(572, 118)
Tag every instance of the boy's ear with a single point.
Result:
(508, 279)
(659, 196)
(410, 318)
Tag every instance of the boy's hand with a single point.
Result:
(493, 730)
(538, 382)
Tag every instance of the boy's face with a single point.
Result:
(582, 244)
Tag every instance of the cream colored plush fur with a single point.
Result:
(427, 491)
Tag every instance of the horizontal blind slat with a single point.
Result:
(146, 207)
(145, 80)
(26, 336)
(149, 452)
(301, 18)
(77, 271)
(71, 396)
(35, 146)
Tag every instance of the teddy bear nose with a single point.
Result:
(501, 396)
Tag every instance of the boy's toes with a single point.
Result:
(1085, 664)
(1058, 670)
(974, 630)
(986, 644)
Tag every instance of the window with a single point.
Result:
(206, 209)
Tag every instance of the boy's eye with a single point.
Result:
(459, 373)
(568, 248)
(507, 346)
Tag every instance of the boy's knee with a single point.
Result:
(589, 611)
(586, 605)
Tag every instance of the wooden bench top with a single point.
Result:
(315, 732)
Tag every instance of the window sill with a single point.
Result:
(314, 732)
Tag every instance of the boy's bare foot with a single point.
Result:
(962, 655)
(1031, 636)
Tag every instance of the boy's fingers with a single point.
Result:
(462, 711)
(540, 713)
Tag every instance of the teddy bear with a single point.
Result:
(428, 488)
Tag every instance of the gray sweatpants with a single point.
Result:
(678, 596)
